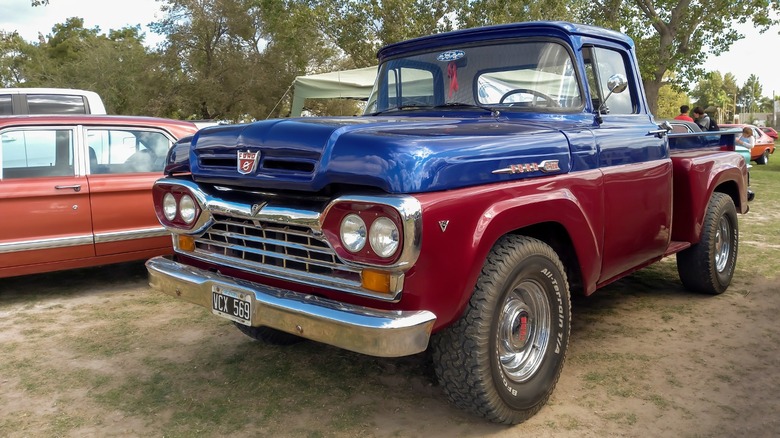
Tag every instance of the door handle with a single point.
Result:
(75, 187)
(660, 133)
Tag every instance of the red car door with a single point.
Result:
(44, 199)
(124, 163)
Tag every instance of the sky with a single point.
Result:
(756, 54)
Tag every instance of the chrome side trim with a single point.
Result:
(119, 236)
(59, 242)
(383, 333)
(87, 239)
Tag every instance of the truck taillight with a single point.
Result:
(175, 206)
(364, 232)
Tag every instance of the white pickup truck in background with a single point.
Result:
(18, 101)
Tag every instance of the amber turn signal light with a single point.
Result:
(186, 243)
(376, 281)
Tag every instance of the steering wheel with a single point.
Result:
(550, 101)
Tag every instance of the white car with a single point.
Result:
(20, 101)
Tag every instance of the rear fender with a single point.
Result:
(696, 177)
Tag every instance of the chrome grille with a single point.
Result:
(291, 252)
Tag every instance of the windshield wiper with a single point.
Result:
(402, 107)
(493, 112)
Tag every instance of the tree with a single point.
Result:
(116, 66)
(13, 55)
(678, 35)
(473, 13)
(360, 27)
(234, 59)
(669, 102)
(750, 95)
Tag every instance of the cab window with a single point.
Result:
(600, 65)
(6, 105)
(55, 104)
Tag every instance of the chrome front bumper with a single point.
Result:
(384, 333)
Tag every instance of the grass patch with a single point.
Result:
(759, 235)
(210, 392)
(623, 418)
(63, 423)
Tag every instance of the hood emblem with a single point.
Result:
(247, 161)
(443, 225)
(545, 166)
(257, 207)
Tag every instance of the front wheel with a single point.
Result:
(503, 357)
(708, 266)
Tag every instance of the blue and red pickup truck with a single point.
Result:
(496, 172)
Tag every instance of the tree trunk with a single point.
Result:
(652, 88)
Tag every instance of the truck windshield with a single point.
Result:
(524, 76)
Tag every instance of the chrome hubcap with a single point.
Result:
(722, 244)
(524, 330)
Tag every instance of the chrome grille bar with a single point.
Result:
(291, 252)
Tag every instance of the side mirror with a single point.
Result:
(616, 83)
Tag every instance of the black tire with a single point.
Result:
(708, 266)
(764, 158)
(502, 358)
(269, 335)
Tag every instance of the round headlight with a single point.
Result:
(384, 237)
(353, 233)
(187, 209)
(169, 206)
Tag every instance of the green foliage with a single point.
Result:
(13, 56)
(484, 12)
(235, 59)
(360, 27)
(750, 95)
(669, 102)
(117, 66)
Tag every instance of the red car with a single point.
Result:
(765, 145)
(75, 191)
(769, 131)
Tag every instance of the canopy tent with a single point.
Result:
(351, 84)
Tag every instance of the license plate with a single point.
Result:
(232, 305)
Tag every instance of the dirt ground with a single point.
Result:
(646, 358)
(96, 353)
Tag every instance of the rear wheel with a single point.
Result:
(502, 358)
(708, 266)
(269, 335)
(764, 158)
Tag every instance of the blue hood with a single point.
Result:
(395, 155)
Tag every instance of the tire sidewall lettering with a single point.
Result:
(544, 271)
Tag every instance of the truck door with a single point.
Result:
(635, 164)
(44, 198)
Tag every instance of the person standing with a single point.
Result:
(701, 118)
(684, 114)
